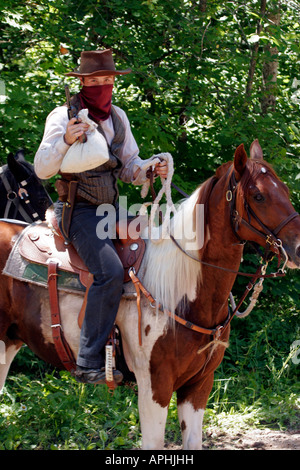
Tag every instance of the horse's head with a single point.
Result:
(261, 210)
(33, 195)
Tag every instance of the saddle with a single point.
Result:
(44, 244)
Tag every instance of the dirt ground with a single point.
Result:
(255, 439)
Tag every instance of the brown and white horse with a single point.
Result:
(244, 200)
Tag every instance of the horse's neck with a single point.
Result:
(173, 277)
(222, 249)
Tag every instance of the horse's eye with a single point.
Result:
(259, 197)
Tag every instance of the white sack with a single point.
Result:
(86, 156)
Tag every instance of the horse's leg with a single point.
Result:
(191, 426)
(152, 415)
(8, 351)
(9, 346)
(191, 405)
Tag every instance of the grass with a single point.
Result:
(58, 413)
(256, 385)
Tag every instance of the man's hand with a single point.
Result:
(161, 169)
(74, 131)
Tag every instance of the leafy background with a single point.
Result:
(206, 77)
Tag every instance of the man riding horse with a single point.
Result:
(83, 188)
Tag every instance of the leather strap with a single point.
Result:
(215, 332)
(138, 287)
(13, 198)
(62, 348)
(68, 209)
(269, 236)
(285, 222)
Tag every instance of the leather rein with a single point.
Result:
(271, 240)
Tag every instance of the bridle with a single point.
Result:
(269, 236)
(13, 199)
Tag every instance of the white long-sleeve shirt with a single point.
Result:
(53, 148)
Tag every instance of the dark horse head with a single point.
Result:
(22, 194)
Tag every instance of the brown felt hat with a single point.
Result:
(97, 63)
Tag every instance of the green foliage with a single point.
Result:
(54, 413)
(187, 96)
(258, 381)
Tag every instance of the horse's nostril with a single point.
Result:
(298, 251)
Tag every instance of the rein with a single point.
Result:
(279, 273)
(215, 332)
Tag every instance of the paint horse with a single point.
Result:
(183, 339)
(22, 194)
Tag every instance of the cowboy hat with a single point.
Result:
(97, 63)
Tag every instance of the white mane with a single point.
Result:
(170, 275)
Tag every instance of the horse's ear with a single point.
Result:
(20, 155)
(240, 160)
(256, 152)
(15, 165)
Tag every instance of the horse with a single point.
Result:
(22, 194)
(184, 289)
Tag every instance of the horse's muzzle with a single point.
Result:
(293, 256)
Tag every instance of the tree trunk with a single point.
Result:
(255, 49)
(270, 70)
(202, 5)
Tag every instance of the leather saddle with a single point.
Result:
(44, 243)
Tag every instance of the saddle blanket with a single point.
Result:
(25, 269)
(22, 269)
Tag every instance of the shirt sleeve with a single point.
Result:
(53, 148)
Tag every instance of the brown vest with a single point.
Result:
(99, 185)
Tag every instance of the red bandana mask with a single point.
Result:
(98, 100)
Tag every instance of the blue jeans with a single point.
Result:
(105, 293)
